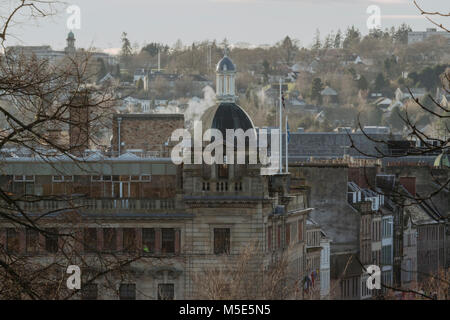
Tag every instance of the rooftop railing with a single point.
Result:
(99, 205)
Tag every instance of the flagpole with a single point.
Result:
(287, 142)
(281, 136)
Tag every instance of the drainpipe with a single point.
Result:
(119, 120)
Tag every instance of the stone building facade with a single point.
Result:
(171, 223)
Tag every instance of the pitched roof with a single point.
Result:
(328, 92)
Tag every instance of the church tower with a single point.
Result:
(70, 43)
(225, 80)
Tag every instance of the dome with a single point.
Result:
(226, 116)
(225, 65)
(70, 36)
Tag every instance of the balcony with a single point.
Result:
(103, 205)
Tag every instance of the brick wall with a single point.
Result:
(144, 131)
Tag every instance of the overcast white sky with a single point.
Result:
(253, 21)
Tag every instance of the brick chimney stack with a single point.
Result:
(79, 124)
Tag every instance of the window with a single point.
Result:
(223, 171)
(12, 240)
(279, 237)
(109, 239)
(62, 178)
(90, 239)
(51, 240)
(168, 241)
(408, 270)
(288, 234)
(129, 239)
(32, 241)
(221, 241)
(205, 186)
(165, 291)
(24, 178)
(89, 291)
(386, 255)
(127, 291)
(387, 228)
(148, 240)
(300, 230)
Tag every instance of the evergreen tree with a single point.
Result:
(266, 70)
(126, 52)
(288, 49)
(126, 46)
(329, 39)
(316, 88)
(401, 35)
(117, 72)
(362, 83)
(352, 37)
(317, 44)
(380, 83)
(153, 48)
(338, 39)
(102, 69)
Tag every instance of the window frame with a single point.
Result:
(226, 249)
(125, 288)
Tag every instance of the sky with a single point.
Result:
(252, 21)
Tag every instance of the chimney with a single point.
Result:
(79, 124)
(410, 184)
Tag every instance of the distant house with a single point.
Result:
(403, 93)
(419, 36)
(272, 92)
(394, 104)
(108, 79)
(199, 82)
(367, 61)
(374, 95)
(305, 67)
(383, 103)
(295, 104)
(320, 116)
(329, 95)
(161, 102)
(169, 77)
(135, 105)
(351, 59)
(443, 97)
(139, 74)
